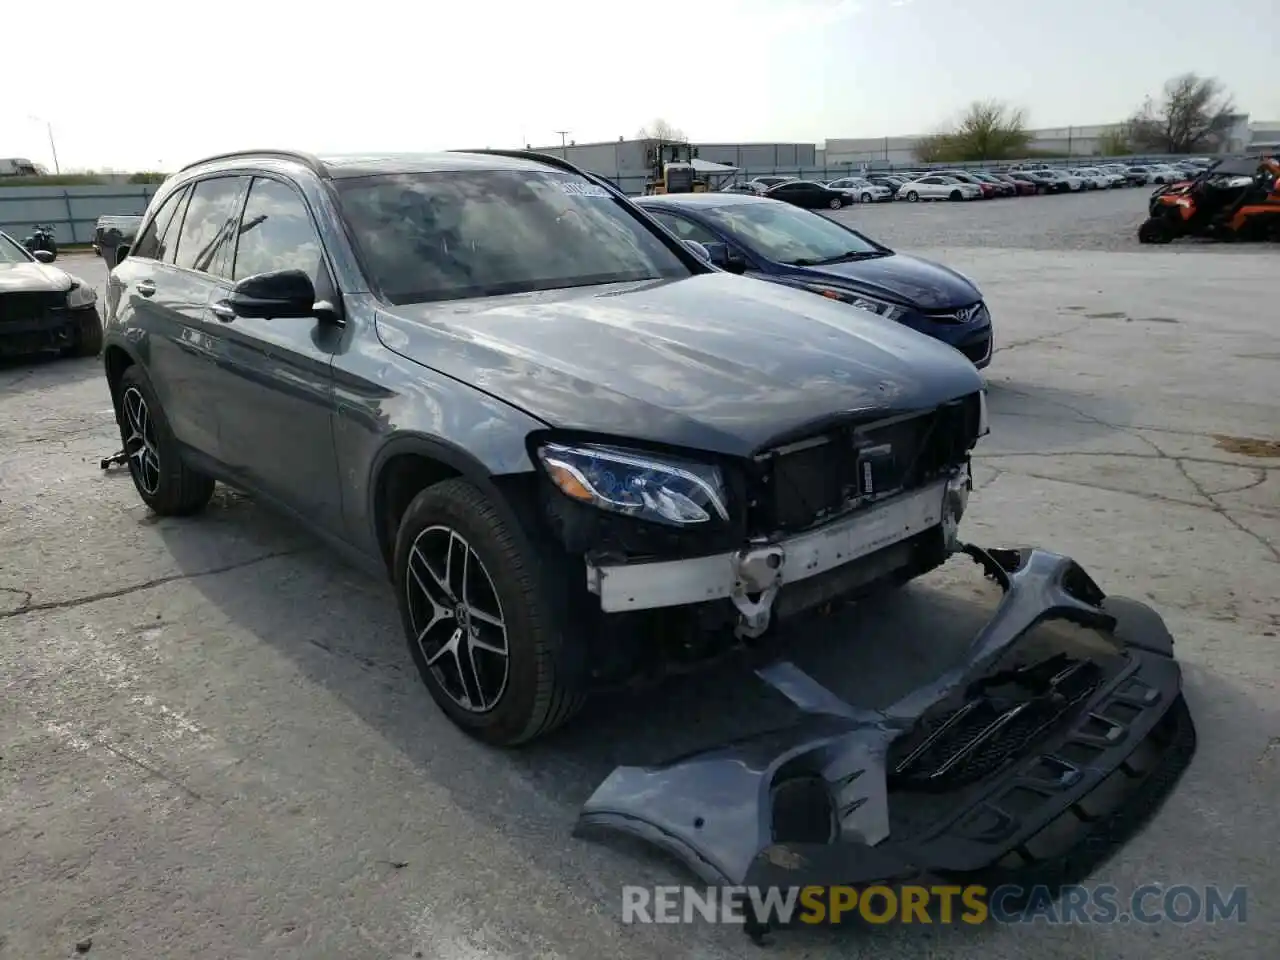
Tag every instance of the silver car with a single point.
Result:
(861, 189)
(937, 186)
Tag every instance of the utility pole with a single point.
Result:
(564, 149)
(53, 147)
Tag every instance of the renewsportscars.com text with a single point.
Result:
(917, 904)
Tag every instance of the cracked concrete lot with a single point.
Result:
(213, 743)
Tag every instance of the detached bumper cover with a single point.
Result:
(959, 778)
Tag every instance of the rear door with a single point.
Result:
(188, 275)
(276, 405)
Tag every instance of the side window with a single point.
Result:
(276, 233)
(148, 244)
(169, 237)
(209, 225)
(685, 229)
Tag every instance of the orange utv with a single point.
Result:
(1235, 199)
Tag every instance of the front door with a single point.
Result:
(276, 405)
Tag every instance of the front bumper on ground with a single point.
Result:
(956, 779)
(753, 576)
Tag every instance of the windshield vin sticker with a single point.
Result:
(579, 189)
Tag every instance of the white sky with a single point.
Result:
(149, 84)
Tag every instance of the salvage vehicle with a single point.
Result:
(986, 190)
(762, 238)
(1024, 187)
(580, 450)
(1234, 199)
(809, 194)
(576, 446)
(113, 231)
(862, 190)
(44, 308)
(939, 187)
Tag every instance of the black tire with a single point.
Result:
(170, 487)
(835, 203)
(866, 198)
(912, 196)
(533, 699)
(88, 342)
(1154, 230)
(955, 195)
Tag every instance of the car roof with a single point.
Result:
(702, 200)
(341, 166)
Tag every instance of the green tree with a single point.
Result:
(988, 130)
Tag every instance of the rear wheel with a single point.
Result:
(166, 484)
(479, 628)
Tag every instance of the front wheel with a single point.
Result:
(835, 203)
(866, 198)
(166, 484)
(955, 195)
(1155, 230)
(912, 196)
(88, 333)
(480, 630)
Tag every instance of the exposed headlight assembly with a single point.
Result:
(882, 308)
(636, 484)
(80, 295)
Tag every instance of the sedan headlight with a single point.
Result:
(661, 489)
(80, 295)
(882, 308)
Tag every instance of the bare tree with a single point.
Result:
(1193, 113)
(660, 129)
(987, 130)
(1116, 142)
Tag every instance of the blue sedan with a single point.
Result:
(776, 241)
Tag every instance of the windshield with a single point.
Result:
(11, 251)
(449, 236)
(787, 234)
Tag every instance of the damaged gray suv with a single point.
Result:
(579, 449)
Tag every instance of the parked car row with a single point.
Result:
(915, 185)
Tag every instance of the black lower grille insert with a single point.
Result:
(1005, 715)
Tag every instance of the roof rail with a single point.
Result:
(549, 159)
(307, 160)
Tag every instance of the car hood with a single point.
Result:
(32, 277)
(713, 362)
(919, 283)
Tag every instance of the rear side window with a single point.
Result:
(276, 233)
(209, 226)
(149, 244)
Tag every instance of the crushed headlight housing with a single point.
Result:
(642, 485)
(881, 308)
(80, 295)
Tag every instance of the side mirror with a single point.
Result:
(282, 294)
(698, 249)
(724, 258)
(44, 256)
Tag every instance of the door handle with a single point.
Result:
(147, 287)
(222, 310)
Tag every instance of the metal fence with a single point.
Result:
(71, 211)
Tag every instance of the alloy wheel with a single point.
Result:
(140, 442)
(457, 619)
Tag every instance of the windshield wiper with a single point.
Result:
(838, 258)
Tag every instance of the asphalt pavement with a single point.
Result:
(213, 742)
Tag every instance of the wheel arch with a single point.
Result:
(407, 464)
(116, 359)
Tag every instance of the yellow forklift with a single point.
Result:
(672, 170)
